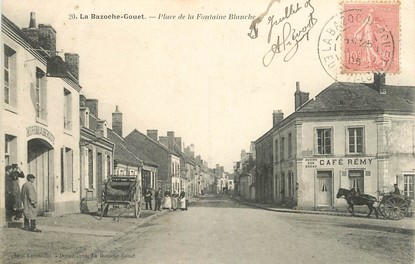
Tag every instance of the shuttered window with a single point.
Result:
(90, 169)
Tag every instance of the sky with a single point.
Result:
(204, 79)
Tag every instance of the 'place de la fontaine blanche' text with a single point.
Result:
(163, 16)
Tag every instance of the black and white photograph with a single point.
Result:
(207, 131)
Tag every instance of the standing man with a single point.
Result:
(9, 195)
(396, 189)
(147, 198)
(15, 196)
(29, 197)
(158, 196)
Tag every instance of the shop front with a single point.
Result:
(322, 178)
(40, 163)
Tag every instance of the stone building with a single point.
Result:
(40, 115)
(265, 188)
(168, 172)
(96, 153)
(351, 135)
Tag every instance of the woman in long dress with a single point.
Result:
(167, 200)
(175, 200)
(182, 200)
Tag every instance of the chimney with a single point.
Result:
(153, 134)
(92, 104)
(32, 23)
(277, 116)
(72, 60)
(117, 121)
(243, 154)
(299, 96)
(47, 38)
(192, 150)
(178, 141)
(163, 140)
(379, 82)
(32, 32)
(170, 140)
(82, 100)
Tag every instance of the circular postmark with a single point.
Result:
(356, 43)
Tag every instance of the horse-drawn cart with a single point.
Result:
(390, 206)
(121, 190)
(394, 206)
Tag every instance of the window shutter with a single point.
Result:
(62, 171)
(74, 178)
(90, 170)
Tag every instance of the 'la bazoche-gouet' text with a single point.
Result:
(162, 16)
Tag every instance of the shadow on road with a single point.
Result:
(398, 230)
(219, 201)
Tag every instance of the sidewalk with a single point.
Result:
(407, 221)
(70, 238)
(68, 235)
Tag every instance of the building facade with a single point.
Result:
(96, 153)
(168, 173)
(350, 136)
(39, 116)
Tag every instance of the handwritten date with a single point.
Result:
(288, 40)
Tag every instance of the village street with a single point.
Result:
(215, 229)
(221, 230)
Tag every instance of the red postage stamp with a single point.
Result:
(371, 37)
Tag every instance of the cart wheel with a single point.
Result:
(395, 208)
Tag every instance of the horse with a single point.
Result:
(354, 198)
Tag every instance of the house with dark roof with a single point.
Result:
(96, 153)
(351, 135)
(168, 174)
(188, 169)
(125, 162)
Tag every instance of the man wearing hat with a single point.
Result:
(14, 190)
(158, 196)
(29, 197)
(9, 195)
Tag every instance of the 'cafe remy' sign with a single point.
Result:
(324, 162)
(40, 131)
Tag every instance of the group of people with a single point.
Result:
(21, 204)
(165, 200)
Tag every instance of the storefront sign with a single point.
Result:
(310, 163)
(40, 131)
(314, 162)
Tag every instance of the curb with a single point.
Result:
(281, 210)
(145, 221)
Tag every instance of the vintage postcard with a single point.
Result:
(268, 131)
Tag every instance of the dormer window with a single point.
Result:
(67, 109)
(86, 119)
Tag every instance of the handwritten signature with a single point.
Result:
(289, 41)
